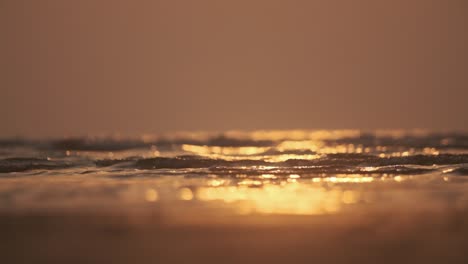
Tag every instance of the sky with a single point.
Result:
(70, 68)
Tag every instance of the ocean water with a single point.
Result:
(342, 196)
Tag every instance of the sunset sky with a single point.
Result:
(132, 67)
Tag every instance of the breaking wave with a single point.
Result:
(249, 153)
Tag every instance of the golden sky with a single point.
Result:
(143, 66)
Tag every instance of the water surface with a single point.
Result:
(263, 196)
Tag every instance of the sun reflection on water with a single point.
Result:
(344, 179)
(290, 197)
(300, 145)
(260, 180)
(151, 195)
(229, 151)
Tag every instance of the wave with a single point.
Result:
(333, 163)
(294, 152)
(449, 140)
(432, 140)
(462, 171)
(25, 164)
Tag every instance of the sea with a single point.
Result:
(264, 196)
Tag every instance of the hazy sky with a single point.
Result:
(93, 66)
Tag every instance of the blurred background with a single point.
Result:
(133, 67)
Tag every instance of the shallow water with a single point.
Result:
(262, 196)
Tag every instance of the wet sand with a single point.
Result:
(117, 237)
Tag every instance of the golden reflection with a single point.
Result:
(345, 179)
(277, 135)
(272, 135)
(398, 178)
(431, 151)
(350, 197)
(185, 194)
(369, 169)
(285, 157)
(230, 151)
(300, 199)
(268, 176)
(342, 149)
(252, 153)
(249, 182)
(151, 195)
(216, 182)
(266, 167)
(289, 144)
(312, 145)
